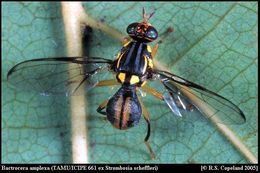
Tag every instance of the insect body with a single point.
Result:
(133, 69)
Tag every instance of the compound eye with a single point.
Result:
(131, 28)
(152, 33)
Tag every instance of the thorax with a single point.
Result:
(132, 63)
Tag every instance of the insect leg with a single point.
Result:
(147, 119)
(152, 91)
(154, 49)
(165, 35)
(109, 82)
(102, 106)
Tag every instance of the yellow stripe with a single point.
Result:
(126, 44)
(120, 54)
(117, 108)
(145, 64)
(149, 49)
(119, 58)
(126, 112)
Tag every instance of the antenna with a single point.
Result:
(145, 16)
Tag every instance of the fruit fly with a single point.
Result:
(133, 68)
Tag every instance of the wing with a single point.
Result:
(183, 94)
(61, 75)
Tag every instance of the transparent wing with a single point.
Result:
(61, 75)
(184, 95)
(177, 103)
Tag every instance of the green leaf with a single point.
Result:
(32, 130)
(214, 45)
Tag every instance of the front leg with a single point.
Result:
(156, 46)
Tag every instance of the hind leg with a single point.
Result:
(103, 105)
(147, 119)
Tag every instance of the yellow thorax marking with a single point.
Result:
(145, 63)
(149, 49)
(119, 56)
(126, 43)
(121, 77)
(134, 79)
(150, 62)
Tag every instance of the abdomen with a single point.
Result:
(123, 109)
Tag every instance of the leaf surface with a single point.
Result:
(214, 45)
